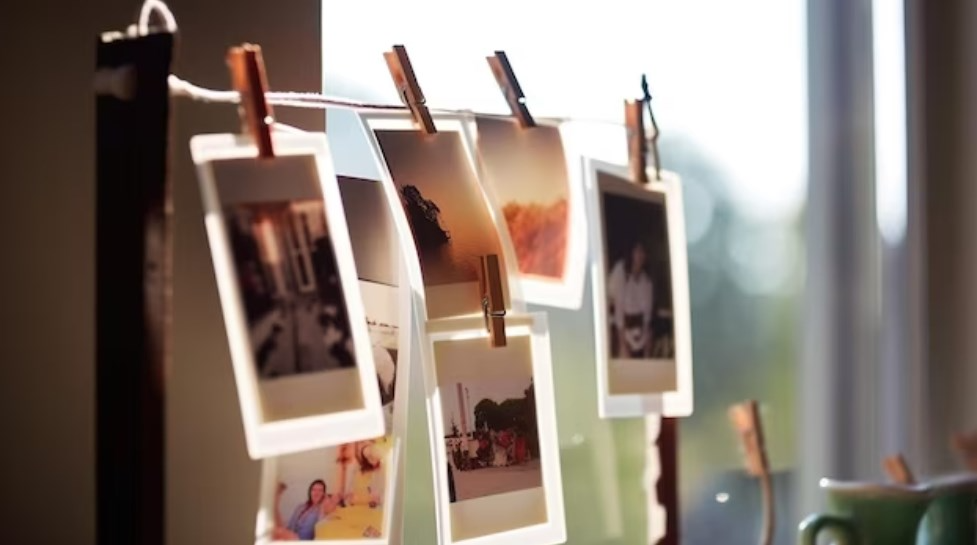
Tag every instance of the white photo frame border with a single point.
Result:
(678, 402)
(394, 488)
(402, 121)
(552, 530)
(567, 293)
(281, 437)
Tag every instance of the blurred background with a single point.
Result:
(826, 147)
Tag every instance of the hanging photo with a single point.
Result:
(348, 493)
(495, 449)
(443, 215)
(292, 306)
(526, 172)
(641, 294)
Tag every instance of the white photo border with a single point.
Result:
(394, 497)
(535, 325)
(676, 403)
(280, 437)
(568, 292)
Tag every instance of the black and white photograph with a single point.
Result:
(638, 267)
(292, 303)
(290, 288)
(640, 289)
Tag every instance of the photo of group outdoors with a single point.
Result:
(491, 437)
(528, 174)
(638, 273)
(290, 289)
(448, 216)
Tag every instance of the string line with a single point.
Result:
(182, 88)
(160, 8)
(292, 99)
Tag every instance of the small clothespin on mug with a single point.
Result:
(410, 92)
(634, 122)
(745, 418)
(966, 447)
(897, 470)
(248, 78)
(506, 78)
(493, 300)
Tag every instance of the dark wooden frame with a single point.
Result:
(133, 267)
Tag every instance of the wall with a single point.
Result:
(47, 277)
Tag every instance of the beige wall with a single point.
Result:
(47, 341)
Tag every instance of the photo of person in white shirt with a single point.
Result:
(631, 299)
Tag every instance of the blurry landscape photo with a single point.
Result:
(638, 268)
(290, 287)
(527, 170)
(491, 438)
(448, 216)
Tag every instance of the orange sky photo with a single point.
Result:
(527, 170)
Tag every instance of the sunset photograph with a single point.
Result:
(448, 215)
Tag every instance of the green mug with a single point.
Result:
(868, 514)
(951, 518)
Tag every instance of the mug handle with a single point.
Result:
(812, 526)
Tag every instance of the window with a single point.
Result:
(729, 86)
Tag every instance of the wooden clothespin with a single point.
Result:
(966, 447)
(410, 92)
(634, 122)
(248, 78)
(745, 418)
(646, 99)
(897, 470)
(506, 78)
(493, 300)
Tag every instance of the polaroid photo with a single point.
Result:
(442, 212)
(639, 273)
(349, 493)
(494, 443)
(292, 305)
(534, 176)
